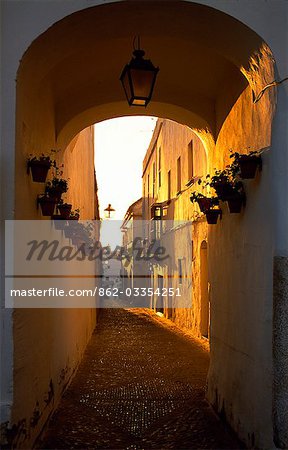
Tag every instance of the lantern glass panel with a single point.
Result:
(126, 82)
(157, 212)
(142, 81)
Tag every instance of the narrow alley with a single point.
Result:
(141, 384)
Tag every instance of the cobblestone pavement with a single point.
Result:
(141, 385)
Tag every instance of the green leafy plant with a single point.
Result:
(212, 215)
(226, 183)
(57, 185)
(64, 208)
(238, 156)
(203, 201)
(39, 166)
(43, 158)
(47, 204)
(246, 164)
(195, 196)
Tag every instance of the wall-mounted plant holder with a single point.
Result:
(39, 167)
(212, 216)
(248, 165)
(64, 209)
(47, 204)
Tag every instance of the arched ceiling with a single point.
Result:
(198, 49)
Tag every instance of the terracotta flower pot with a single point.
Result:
(47, 205)
(212, 216)
(39, 170)
(204, 203)
(235, 204)
(248, 166)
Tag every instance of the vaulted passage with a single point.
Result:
(212, 66)
(140, 385)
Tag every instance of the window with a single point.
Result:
(156, 211)
(148, 183)
(156, 222)
(144, 200)
(179, 184)
(180, 271)
(169, 185)
(154, 180)
(159, 167)
(190, 161)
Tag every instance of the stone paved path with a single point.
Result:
(141, 385)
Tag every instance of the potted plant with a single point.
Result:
(47, 204)
(64, 209)
(57, 186)
(68, 230)
(204, 202)
(236, 201)
(247, 163)
(222, 183)
(39, 167)
(212, 215)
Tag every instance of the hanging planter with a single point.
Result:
(47, 204)
(39, 167)
(221, 183)
(212, 216)
(204, 202)
(235, 203)
(64, 209)
(68, 231)
(59, 221)
(55, 193)
(223, 190)
(247, 164)
(56, 187)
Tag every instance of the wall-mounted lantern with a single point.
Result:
(156, 212)
(138, 79)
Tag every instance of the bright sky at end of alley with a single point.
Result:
(120, 146)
